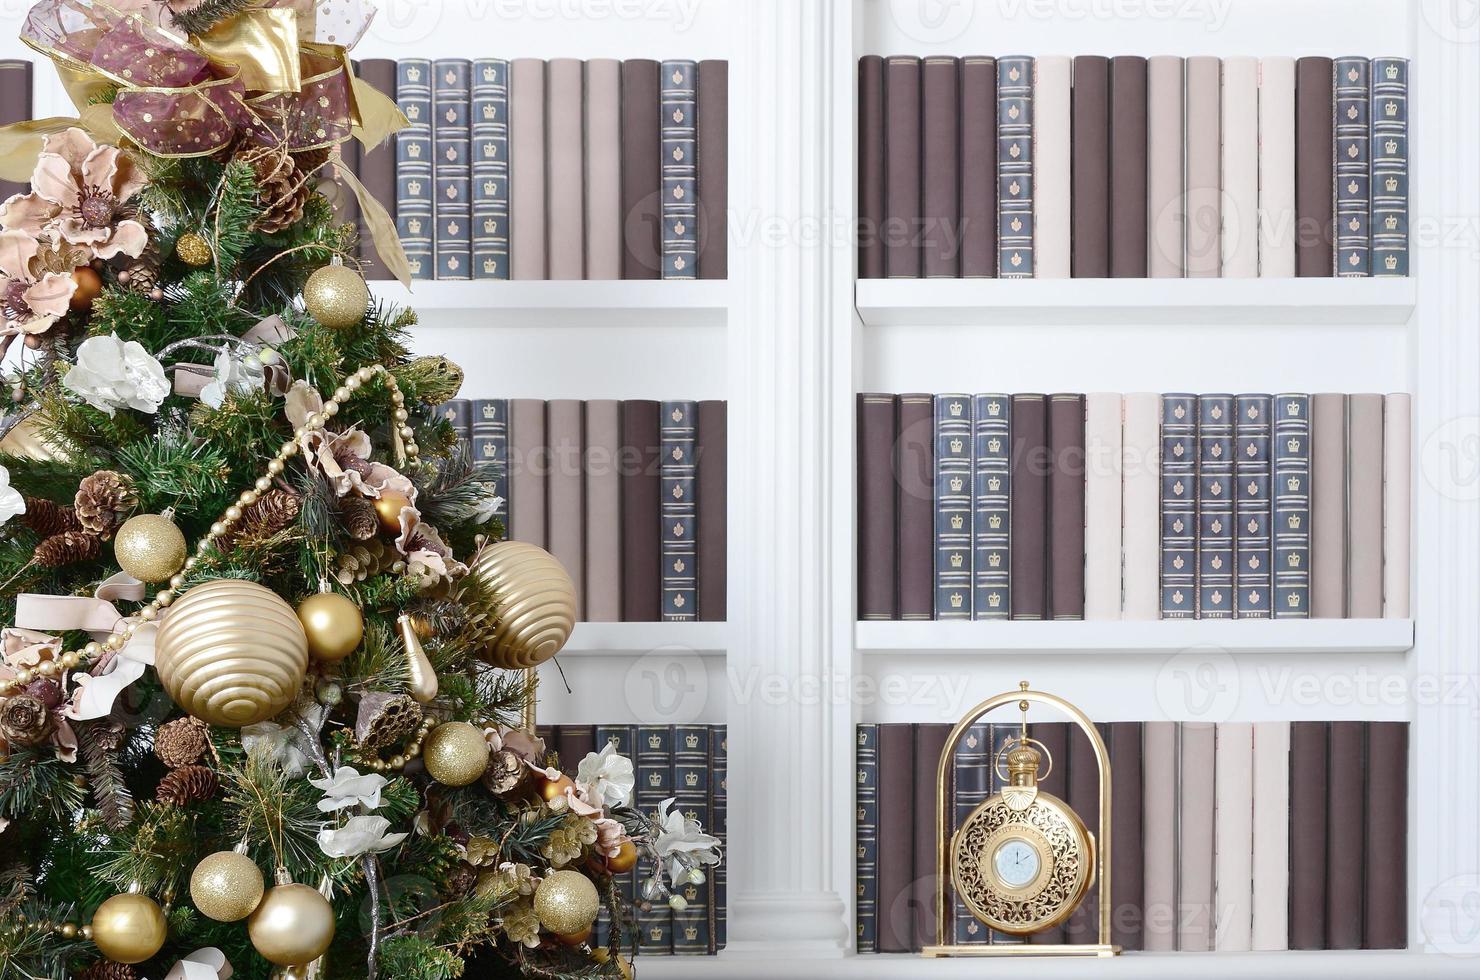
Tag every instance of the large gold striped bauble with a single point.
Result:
(533, 604)
(231, 653)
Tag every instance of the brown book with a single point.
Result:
(1127, 859)
(576, 742)
(712, 498)
(529, 244)
(642, 225)
(16, 82)
(1364, 479)
(877, 559)
(1202, 217)
(1345, 837)
(915, 510)
(1308, 757)
(1055, 738)
(1314, 167)
(870, 166)
(1128, 167)
(529, 468)
(896, 920)
(565, 533)
(1385, 848)
(1090, 206)
(641, 572)
(603, 508)
(902, 209)
(1328, 506)
(978, 167)
(930, 742)
(1066, 507)
(377, 169)
(1084, 799)
(713, 151)
(1031, 465)
(940, 168)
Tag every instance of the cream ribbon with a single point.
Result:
(203, 964)
(98, 617)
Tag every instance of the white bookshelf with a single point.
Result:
(640, 304)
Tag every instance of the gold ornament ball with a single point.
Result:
(533, 608)
(129, 928)
(226, 886)
(336, 296)
(455, 754)
(625, 860)
(293, 925)
(566, 903)
(333, 624)
(89, 285)
(553, 789)
(388, 508)
(602, 955)
(193, 250)
(231, 653)
(150, 547)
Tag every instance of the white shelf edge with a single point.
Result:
(640, 638)
(691, 302)
(1133, 637)
(1015, 302)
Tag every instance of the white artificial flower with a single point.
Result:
(11, 501)
(347, 787)
(279, 744)
(608, 775)
(235, 375)
(359, 835)
(111, 374)
(680, 835)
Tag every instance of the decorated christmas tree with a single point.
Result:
(266, 698)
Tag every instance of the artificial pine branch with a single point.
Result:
(106, 780)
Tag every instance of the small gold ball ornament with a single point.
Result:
(150, 547)
(129, 928)
(226, 886)
(388, 508)
(336, 296)
(625, 860)
(193, 250)
(566, 903)
(534, 606)
(293, 925)
(455, 754)
(333, 624)
(89, 285)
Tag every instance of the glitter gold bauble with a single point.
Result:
(226, 886)
(566, 903)
(333, 624)
(193, 250)
(293, 925)
(388, 509)
(88, 285)
(455, 753)
(129, 928)
(625, 860)
(149, 547)
(336, 296)
(532, 604)
(231, 653)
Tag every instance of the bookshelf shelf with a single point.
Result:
(606, 638)
(616, 303)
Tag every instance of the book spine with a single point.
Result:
(490, 168)
(1314, 167)
(902, 206)
(1052, 167)
(1127, 893)
(1389, 156)
(1141, 508)
(978, 167)
(930, 743)
(459, 414)
(1128, 127)
(654, 770)
(711, 458)
(1104, 452)
(414, 221)
(1179, 506)
(1269, 929)
(1364, 494)
(1066, 506)
(876, 500)
(1397, 495)
(529, 465)
(565, 533)
(1196, 803)
(1385, 852)
(1091, 196)
(679, 153)
(377, 166)
(719, 814)
(870, 168)
(1308, 792)
(1253, 578)
(915, 509)
(603, 168)
(691, 782)
(992, 507)
(16, 106)
(1203, 216)
(1084, 799)
(1353, 131)
(641, 515)
(1159, 864)
(895, 919)
(1240, 168)
(603, 510)
(576, 742)
(1345, 835)
(1015, 167)
(528, 246)
(1215, 507)
(714, 168)
(1328, 506)
(680, 553)
(1234, 837)
(564, 169)
(1277, 168)
(1165, 178)
(866, 869)
(1031, 462)
(1291, 506)
(971, 781)
(940, 167)
(452, 167)
(953, 506)
(642, 192)
(490, 441)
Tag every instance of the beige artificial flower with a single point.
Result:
(30, 302)
(81, 191)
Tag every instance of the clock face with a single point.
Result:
(1016, 862)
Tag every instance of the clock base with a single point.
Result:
(1026, 949)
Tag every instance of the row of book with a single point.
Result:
(630, 496)
(1138, 506)
(1230, 837)
(566, 169)
(1131, 167)
(686, 763)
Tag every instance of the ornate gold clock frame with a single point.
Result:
(944, 856)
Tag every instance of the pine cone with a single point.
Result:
(284, 184)
(68, 548)
(108, 735)
(186, 785)
(103, 500)
(47, 517)
(273, 511)
(181, 742)
(108, 970)
(384, 719)
(142, 274)
(24, 720)
(359, 517)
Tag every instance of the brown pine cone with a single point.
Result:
(24, 720)
(103, 500)
(186, 785)
(284, 184)
(47, 517)
(107, 734)
(359, 517)
(273, 511)
(181, 742)
(68, 548)
(142, 274)
(108, 970)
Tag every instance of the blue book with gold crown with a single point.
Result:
(654, 766)
(490, 175)
(414, 221)
(677, 427)
(971, 781)
(691, 780)
(1253, 576)
(452, 167)
(1353, 176)
(991, 507)
(866, 829)
(678, 163)
(1389, 119)
(719, 813)
(491, 445)
(1292, 506)
(1178, 506)
(953, 493)
(1015, 167)
(1215, 506)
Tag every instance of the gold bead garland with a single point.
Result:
(403, 440)
(398, 761)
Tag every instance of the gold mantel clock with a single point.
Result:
(1023, 861)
